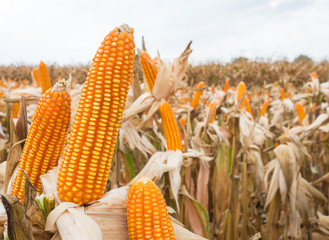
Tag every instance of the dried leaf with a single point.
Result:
(19, 225)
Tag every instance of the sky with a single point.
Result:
(70, 31)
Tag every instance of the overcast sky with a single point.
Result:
(70, 31)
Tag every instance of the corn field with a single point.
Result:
(133, 147)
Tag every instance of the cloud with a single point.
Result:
(69, 32)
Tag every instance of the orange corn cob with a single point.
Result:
(268, 95)
(197, 95)
(212, 111)
(36, 77)
(87, 158)
(314, 75)
(15, 110)
(227, 85)
(147, 214)
(289, 95)
(262, 93)
(309, 90)
(300, 112)
(183, 122)
(314, 106)
(149, 69)
(170, 127)
(44, 77)
(282, 94)
(241, 91)
(245, 104)
(264, 109)
(249, 96)
(46, 138)
(256, 94)
(213, 89)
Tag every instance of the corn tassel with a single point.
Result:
(197, 95)
(87, 159)
(46, 138)
(264, 109)
(147, 214)
(149, 69)
(300, 112)
(170, 127)
(44, 77)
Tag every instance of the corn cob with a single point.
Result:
(300, 112)
(149, 69)
(46, 138)
(264, 109)
(87, 158)
(197, 95)
(282, 94)
(268, 95)
(15, 110)
(213, 89)
(147, 214)
(249, 96)
(227, 85)
(170, 127)
(314, 75)
(44, 77)
(36, 77)
(314, 106)
(256, 94)
(241, 91)
(212, 111)
(289, 95)
(183, 122)
(245, 104)
(262, 92)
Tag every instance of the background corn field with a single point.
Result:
(244, 170)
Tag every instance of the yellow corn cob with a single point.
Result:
(147, 214)
(36, 77)
(183, 122)
(46, 138)
(249, 96)
(268, 95)
(170, 127)
(264, 109)
(15, 110)
(212, 110)
(314, 75)
(86, 164)
(241, 91)
(227, 84)
(213, 89)
(282, 94)
(262, 92)
(149, 69)
(197, 95)
(44, 77)
(300, 112)
(245, 104)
